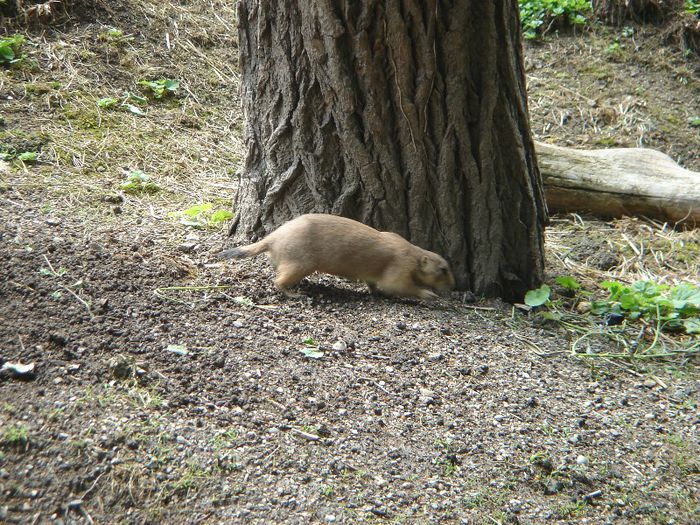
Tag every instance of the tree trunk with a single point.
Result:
(616, 182)
(407, 115)
(618, 11)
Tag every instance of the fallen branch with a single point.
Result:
(616, 182)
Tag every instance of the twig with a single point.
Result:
(50, 266)
(305, 435)
(94, 484)
(85, 304)
(278, 405)
(375, 383)
(639, 473)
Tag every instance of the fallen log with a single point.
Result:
(615, 182)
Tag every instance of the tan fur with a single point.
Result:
(329, 244)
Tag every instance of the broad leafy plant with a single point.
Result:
(537, 16)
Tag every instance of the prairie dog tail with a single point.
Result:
(244, 251)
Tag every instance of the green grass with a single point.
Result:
(15, 436)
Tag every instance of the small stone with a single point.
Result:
(515, 506)
(426, 392)
(53, 221)
(187, 247)
(582, 460)
(340, 346)
(180, 439)
(649, 383)
(435, 357)
(401, 325)
(330, 518)
(237, 324)
(75, 504)
(483, 369)
(120, 368)
(583, 307)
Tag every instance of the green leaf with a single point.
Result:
(692, 325)
(171, 85)
(137, 98)
(614, 287)
(310, 341)
(138, 182)
(628, 301)
(135, 110)
(550, 316)
(686, 293)
(220, 216)
(198, 209)
(694, 122)
(28, 157)
(538, 296)
(312, 352)
(6, 54)
(107, 102)
(568, 282)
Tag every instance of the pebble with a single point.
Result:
(340, 346)
(574, 439)
(187, 247)
(435, 357)
(649, 383)
(53, 221)
(515, 506)
(582, 460)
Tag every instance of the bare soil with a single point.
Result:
(170, 387)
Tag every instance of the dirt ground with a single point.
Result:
(171, 387)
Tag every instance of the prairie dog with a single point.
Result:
(330, 244)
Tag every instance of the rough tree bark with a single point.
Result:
(408, 115)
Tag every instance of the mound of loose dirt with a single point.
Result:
(170, 387)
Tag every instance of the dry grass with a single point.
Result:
(189, 145)
(647, 250)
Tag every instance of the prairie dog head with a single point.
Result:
(434, 272)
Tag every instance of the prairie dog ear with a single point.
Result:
(424, 261)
